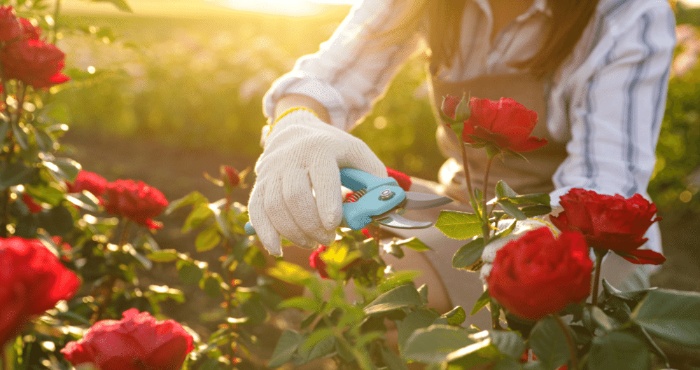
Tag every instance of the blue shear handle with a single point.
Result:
(358, 214)
(383, 194)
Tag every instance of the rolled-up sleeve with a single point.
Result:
(353, 68)
(616, 113)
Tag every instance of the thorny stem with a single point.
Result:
(596, 279)
(465, 166)
(569, 342)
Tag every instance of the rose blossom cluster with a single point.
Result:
(133, 200)
(137, 341)
(32, 280)
(25, 56)
(538, 273)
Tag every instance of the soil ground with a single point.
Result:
(177, 172)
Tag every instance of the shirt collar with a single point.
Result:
(538, 6)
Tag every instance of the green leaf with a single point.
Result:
(15, 174)
(481, 302)
(415, 320)
(199, 214)
(286, 347)
(207, 239)
(211, 285)
(538, 210)
(601, 319)
(164, 255)
(84, 200)
(413, 243)
(120, 4)
(459, 225)
(504, 191)
(511, 209)
(400, 297)
(320, 349)
(20, 135)
(391, 360)
(397, 278)
(631, 297)
(538, 199)
(455, 316)
(56, 221)
(290, 273)
(435, 343)
(548, 342)
(193, 198)
(618, 351)
(4, 128)
(468, 254)
(301, 303)
(62, 169)
(670, 314)
(165, 292)
(189, 272)
(508, 342)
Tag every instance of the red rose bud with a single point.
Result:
(29, 30)
(610, 222)
(316, 263)
(400, 177)
(32, 280)
(10, 27)
(33, 206)
(135, 201)
(504, 124)
(34, 62)
(231, 176)
(89, 181)
(537, 274)
(135, 342)
(449, 106)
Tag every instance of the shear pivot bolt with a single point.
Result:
(386, 195)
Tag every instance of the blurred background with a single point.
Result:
(173, 89)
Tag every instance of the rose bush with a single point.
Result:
(32, 280)
(539, 274)
(135, 342)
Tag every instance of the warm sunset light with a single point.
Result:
(285, 7)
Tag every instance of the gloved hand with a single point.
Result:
(297, 193)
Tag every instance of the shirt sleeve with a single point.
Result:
(616, 115)
(353, 68)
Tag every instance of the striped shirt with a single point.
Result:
(606, 101)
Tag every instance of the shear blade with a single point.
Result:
(400, 222)
(415, 200)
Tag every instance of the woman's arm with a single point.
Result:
(615, 115)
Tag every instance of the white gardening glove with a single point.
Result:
(489, 253)
(297, 193)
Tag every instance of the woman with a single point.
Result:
(595, 71)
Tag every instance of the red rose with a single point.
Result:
(137, 342)
(610, 222)
(89, 181)
(10, 27)
(33, 206)
(34, 62)
(400, 177)
(32, 280)
(136, 201)
(232, 178)
(505, 124)
(449, 105)
(317, 263)
(537, 274)
(29, 30)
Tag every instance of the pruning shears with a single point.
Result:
(379, 199)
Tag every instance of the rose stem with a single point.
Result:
(569, 341)
(108, 286)
(485, 225)
(596, 278)
(465, 167)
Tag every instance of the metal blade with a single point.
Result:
(415, 200)
(400, 222)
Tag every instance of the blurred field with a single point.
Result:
(175, 89)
